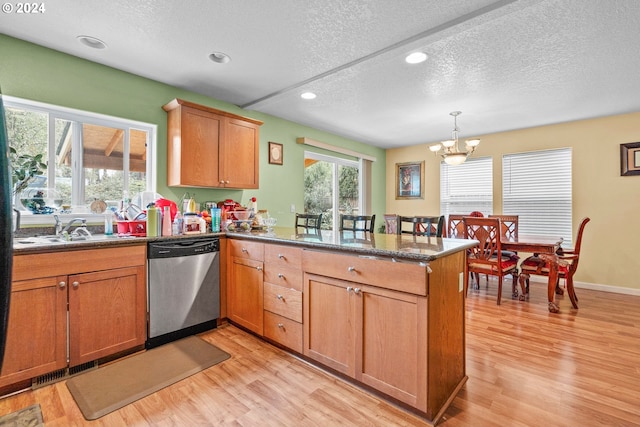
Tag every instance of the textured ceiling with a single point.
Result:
(505, 64)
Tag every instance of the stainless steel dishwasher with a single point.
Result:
(183, 284)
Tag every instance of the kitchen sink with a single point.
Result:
(55, 240)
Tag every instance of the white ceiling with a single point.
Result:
(505, 64)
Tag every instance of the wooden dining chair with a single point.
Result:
(486, 257)
(455, 227)
(309, 221)
(391, 223)
(357, 223)
(509, 224)
(567, 265)
(422, 225)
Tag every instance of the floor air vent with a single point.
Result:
(61, 374)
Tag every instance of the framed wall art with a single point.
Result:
(410, 180)
(630, 159)
(275, 153)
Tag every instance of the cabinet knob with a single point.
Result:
(351, 269)
(62, 285)
(75, 284)
(259, 268)
(280, 325)
(356, 291)
(280, 256)
(280, 297)
(222, 181)
(226, 182)
(349, 288)
(280, 276)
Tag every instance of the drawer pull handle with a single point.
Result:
(280, 325)
(280, 256)
(280, 276)
(259, 268)
(62, 285)
(75, 284)
(356, 291)
(244, 250)
(280, 297)
(351, 269)
(349, 288)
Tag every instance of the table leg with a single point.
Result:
(553, 279)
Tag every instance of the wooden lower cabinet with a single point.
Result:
(245, 284)
(403, 337)
(104, 301)
(105, 308)
(37, 333)
(372, 334)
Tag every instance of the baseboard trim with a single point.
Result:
(593, 286)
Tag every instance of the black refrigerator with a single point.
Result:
(6, 236)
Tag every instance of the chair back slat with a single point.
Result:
(508, 224)
(422, 225)
(357, 223)
(308, 221)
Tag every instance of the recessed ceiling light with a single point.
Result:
(92, 42)
(308, 95)
(416, 57)
(219, 57)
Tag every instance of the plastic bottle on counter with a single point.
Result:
(166, 222)
(108, 224)
(216, 216)
(152, 220)
(176, 228)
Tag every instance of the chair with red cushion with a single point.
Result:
(567, 265)
(486, 258)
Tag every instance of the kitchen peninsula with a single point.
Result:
(385, 311)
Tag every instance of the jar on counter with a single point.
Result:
(191, 223)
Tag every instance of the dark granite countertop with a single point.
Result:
(366, 244)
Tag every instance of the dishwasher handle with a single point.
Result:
(178, 248)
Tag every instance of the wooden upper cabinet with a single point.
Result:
(211, 148)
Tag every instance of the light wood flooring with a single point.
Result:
(526, 367)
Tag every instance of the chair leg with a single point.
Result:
(499, 289)
(571, 291)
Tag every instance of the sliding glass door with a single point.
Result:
(332, 186)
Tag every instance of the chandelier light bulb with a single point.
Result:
(452, 155)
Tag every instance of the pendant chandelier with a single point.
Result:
(451, 152)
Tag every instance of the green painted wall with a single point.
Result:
(34, 72)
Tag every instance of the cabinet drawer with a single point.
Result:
(286, 277)
(283, 331)
(400, 276)
(246, 249)
(286, 302)
(284, 256)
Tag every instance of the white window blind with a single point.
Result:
(537, 187)
(467, 187)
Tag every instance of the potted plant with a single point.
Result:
(24, 168)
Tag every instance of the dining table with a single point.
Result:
(545, 247)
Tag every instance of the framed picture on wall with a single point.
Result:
(410, 180)
(630, 159)
(275, 153)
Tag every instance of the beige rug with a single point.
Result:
(113, 386)
(27, 417)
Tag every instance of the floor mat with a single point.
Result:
(27, 417)
(113, 386)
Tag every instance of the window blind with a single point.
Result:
(467, 187)
(537, 187)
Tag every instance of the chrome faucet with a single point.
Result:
(70, 223)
